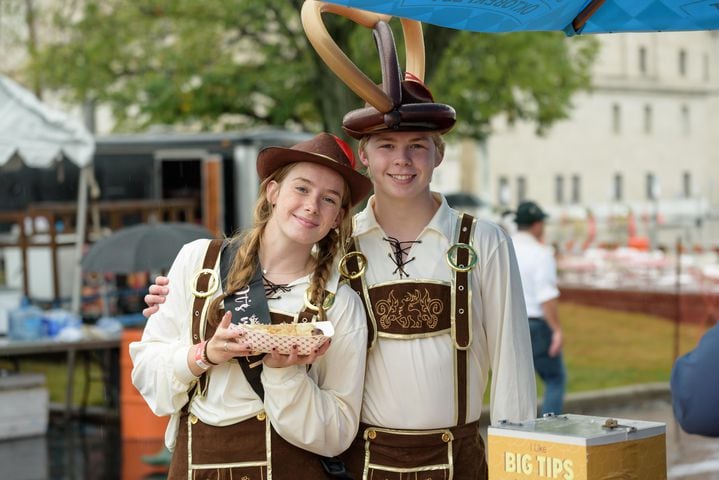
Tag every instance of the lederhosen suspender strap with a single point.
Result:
(461, 316)
(360, 286)
(200, 305)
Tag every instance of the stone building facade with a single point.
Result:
(640, 147)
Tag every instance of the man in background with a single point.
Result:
(538, 271)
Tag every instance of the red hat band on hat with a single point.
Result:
(346, 149)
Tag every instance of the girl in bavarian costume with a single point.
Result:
(235, 415)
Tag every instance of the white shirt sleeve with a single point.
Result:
(160, 371)
(319, 410)
(513, 394)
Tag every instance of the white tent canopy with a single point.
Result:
(37, 132)
(39, 135)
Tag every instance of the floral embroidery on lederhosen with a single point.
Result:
(414, 309)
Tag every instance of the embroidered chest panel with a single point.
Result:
(411, 308)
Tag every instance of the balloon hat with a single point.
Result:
(403, 103)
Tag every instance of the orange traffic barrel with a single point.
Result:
(133, 466)
(137, 422)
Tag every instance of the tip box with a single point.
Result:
(577, 447)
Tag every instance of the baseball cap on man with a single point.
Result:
(529, 213)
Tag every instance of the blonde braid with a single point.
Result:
(327, 248)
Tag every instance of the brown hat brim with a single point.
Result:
(272, 158)
(412, 117)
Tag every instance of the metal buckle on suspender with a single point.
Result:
(452, 257)
(309, 304)
(328, 302)
(212, 285)
(361, 262)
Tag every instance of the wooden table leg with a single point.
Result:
(69, 388)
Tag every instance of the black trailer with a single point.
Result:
(207, 167)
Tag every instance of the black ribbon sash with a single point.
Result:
(249, 305)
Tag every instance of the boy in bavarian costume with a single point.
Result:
(442, 290)
(235, 415)
(441, 326)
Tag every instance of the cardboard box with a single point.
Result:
(577, 447)
(24, 407)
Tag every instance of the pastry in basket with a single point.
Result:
(304, 338)
(286, 329)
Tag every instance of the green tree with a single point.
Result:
(18, 37)
(239, 63)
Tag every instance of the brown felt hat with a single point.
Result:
(323, 149)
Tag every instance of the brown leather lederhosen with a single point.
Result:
(417, 309)
(238, 451)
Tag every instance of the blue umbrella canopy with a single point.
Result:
(570, 16)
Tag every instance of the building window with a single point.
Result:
(616, 118)
(576, 189)
(643, 60)
(652, 186)
(559, 189)
(521, 189)
(686, 121)
(503, 193)
(618, 188)
(683, 62)
(647, 119)
(687, 185)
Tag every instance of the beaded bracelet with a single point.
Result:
(204, 353)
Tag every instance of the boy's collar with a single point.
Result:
(442, 221)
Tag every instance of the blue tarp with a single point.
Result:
(550, 15)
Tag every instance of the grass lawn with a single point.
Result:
(603, 349)
(606, 348)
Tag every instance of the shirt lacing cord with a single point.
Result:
(399, 250)
(271, 288)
